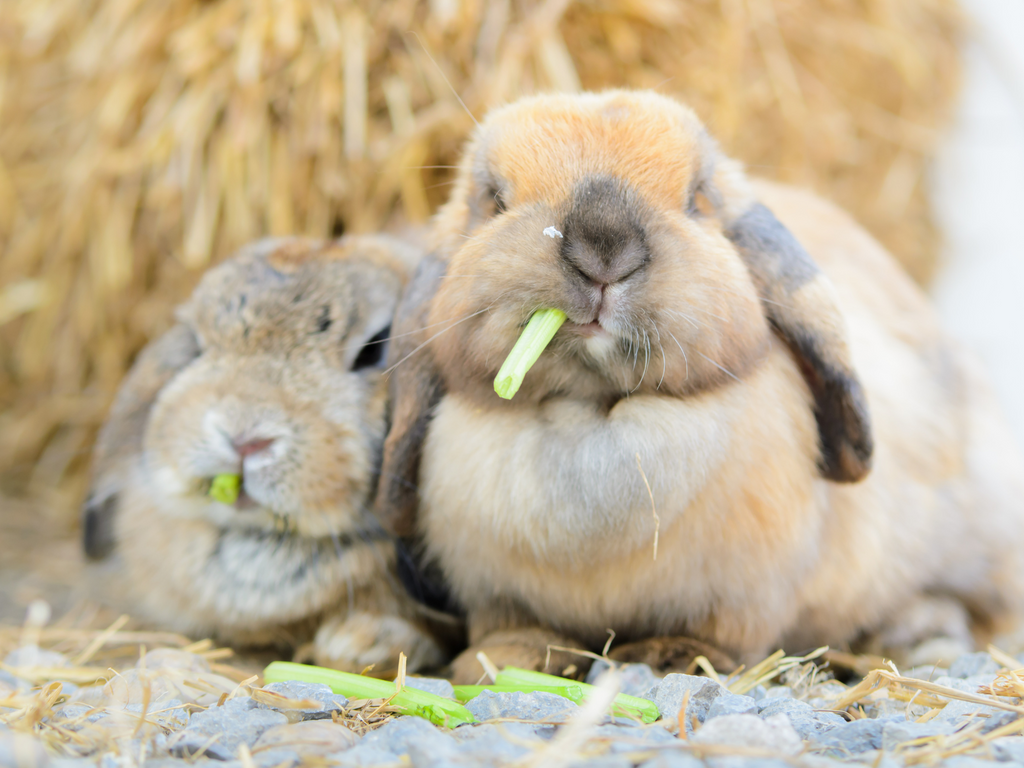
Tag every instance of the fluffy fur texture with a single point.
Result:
(273, 372)
(744, 348)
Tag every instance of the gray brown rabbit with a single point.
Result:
(751, 429)
(274, 372)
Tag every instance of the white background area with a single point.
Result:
(978, 192)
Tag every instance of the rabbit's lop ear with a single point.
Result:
(415, 388)
(798, 301)
(119, 444)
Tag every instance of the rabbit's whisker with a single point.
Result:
(691, 320)
(402, 335)
(647, 359)
(722, 368)
(706, 312)
(664, 363)
(439, 333)
(687, 362)
(737, 293)
(444, 77)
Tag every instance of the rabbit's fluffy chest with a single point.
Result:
(549, 506)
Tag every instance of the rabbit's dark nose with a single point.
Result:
(604, 240)
(249, 447)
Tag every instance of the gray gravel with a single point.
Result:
(327, 699)
(781, 725)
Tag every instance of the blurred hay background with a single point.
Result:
(142, 140)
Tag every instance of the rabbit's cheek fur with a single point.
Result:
(305, 462)
(683, 318)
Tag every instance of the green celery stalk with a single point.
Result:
(224, 488)
(570, 690)
(408, 701)
(629, 706)
(527, 350)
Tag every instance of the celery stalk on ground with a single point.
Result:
(570, 690)
(409, 701)
(630, 706)
(535, 337)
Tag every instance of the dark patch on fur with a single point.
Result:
(780, 267)
(373, 351)
(423, 580)
(98, 527)
(844, 426)
(782, 261)
(323, 322)
(415, 389)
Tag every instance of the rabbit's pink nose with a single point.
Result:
(249, 447)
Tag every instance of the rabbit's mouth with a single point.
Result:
(245, 502)
(587, 330)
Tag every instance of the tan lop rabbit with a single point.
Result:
(822, 462)
(273, 372)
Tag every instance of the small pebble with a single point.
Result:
(33, 656)
(409, 735)
(223, 729)
(971, 664)
(603, 761)
(968, 761)
(998, 721)
(669, 693)
(896, 733)
(774, 733)
(727, 703)
(20, 749)
(538, 706)
(1009, 749)
(675, 758)
(634, 679)
(850, 738)
(617, 738)
(502, 741)
(314, 737)
(806, 721)
(885, 708)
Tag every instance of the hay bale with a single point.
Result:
(140, 141)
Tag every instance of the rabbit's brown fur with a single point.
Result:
(752, 392)
(271, 373)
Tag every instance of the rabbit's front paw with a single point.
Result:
(360, 639)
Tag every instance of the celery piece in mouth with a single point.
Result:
(225, 488)
(527, 350)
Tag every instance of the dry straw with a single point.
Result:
(142, 140)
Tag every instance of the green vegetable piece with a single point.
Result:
(628, 706)
(535, 337)
(571, 690)
(224, 488)
(408, 701)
